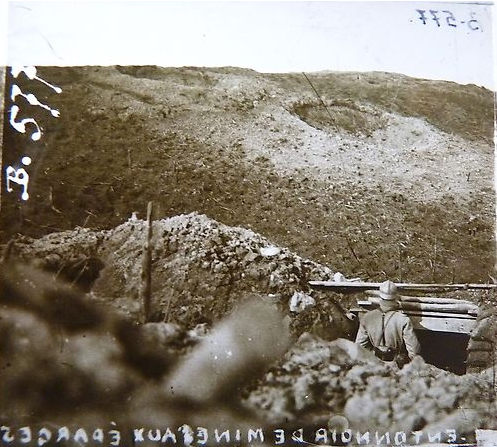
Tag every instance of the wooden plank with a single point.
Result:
(345, 285)
(357, 285)
(368, 306)
(426, 299)
(452, 308)
(438, 323)
(440, 315)
(435, 300)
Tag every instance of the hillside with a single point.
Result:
(394, 179)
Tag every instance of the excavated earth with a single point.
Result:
(200, 268)
(308, 373)
(257, 189)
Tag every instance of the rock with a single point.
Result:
(199, 331)
(463, 421)
(217, 267)
(485, 330)
(367, 412)
(352, 351)
(52, 260)
(338, 423)
(250, 257)
(270, 250)
(306, 337)
(273, 402)
(334, 368)
(160, 334)
(303, 391)
(299, 301)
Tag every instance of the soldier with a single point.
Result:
(387, 331)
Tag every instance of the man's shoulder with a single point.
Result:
(400, 316)
(372, 315)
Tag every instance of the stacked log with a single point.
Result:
(433, 304)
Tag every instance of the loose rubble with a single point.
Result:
(318, 380)
(204, 274)
(200, 269)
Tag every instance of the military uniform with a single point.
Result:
(396, 328)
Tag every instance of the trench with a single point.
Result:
(445, 350)
(446, 342)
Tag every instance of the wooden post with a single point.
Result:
(130, 163)
(8, 251)
(146, 275)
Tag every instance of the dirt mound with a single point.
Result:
(201, 269)
(318, 380)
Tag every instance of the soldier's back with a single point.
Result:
(388, 326)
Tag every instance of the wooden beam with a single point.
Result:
(367, 305)
(425, 299)
(146, 273)
(358, 286)
(453, 307)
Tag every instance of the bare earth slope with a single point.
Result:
(395, 181)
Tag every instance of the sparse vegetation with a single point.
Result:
(335, 195)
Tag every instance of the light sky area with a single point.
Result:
(265, 36)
